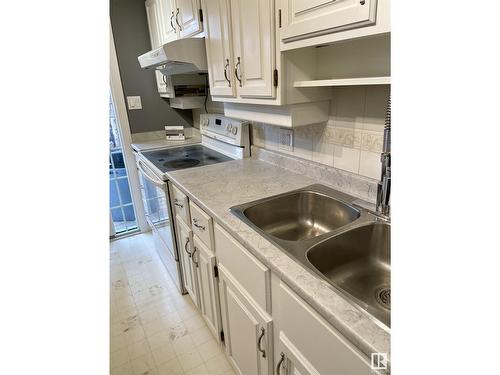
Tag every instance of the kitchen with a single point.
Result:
(228, 260)
(247, 228)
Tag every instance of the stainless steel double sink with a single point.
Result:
(329, 233)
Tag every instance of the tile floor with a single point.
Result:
(155, 330)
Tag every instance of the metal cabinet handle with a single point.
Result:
(236, 70)
(186, 247)
(177, 19)
(225, 73)
(171, 24)
(278, 366)
(195, 223)
(192, 257)
(259, 342)
(176, 203)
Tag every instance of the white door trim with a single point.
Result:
(126, 137)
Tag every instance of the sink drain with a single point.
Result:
(383, 297)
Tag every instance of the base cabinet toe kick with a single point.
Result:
(251, 312)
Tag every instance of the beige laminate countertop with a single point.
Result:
(163, 143)
(216, 188)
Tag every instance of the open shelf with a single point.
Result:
(344, 82)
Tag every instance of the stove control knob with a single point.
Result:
(229, 127)
(205, 122)
(234, 130)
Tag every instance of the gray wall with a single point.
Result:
(131, 36)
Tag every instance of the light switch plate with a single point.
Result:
(134, 102)
(285, 139)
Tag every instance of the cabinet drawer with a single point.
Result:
(332, 354)
(181, 205)
(202, 225)
(250, 273)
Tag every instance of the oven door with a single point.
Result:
(156, 205)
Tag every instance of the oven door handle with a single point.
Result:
(142, 169)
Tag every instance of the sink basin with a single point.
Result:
(320, 228)
(358, 263)
(300, 215)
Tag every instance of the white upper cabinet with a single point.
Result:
(188, 18)
(152, 13)
(218, 45)
(312, 17)
(304, 23)
(169, 30)
(253, 47)
(241, 54)
(161, 83)
(170, 20)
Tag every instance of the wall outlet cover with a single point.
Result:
(285, 139)
(134, 102)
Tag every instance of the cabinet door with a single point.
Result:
(161, 82)
(290, 361)
(218, 45)
(247, 329)
(166, 15)
(185, 241)
(209, 293)
(331, 353)
(152, 12)
(253, 47)
(308, 18)
(188, 17)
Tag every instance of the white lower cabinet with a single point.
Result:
(185, 241)
(236, 294)
(290, 360)
(247, 329)
(313, 346)
(205, 262)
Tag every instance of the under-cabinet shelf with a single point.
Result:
(344, 82)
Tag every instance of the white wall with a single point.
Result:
(351, 139)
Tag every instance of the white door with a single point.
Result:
(188, 17)
(308, 18)
(247, 329)
(185, 241)
(218, 46)
(209, 293)
(166, 14)
(252, 25)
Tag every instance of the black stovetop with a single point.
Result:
(171, 159)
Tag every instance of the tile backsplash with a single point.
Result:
(350, 140)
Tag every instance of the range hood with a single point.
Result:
(181, 56)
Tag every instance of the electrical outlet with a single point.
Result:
(285, 141)
(134, 102)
